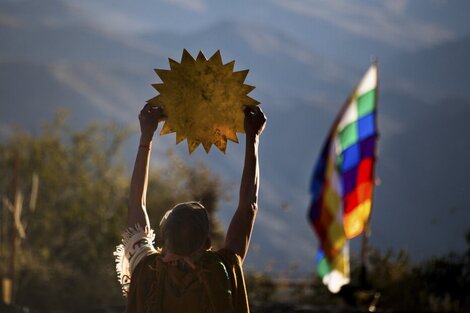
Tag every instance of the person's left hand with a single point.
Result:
(149, 118)
(255, 121)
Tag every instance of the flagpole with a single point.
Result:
(367, 231)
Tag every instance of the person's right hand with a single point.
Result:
(149, 118)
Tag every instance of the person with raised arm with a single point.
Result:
(185, 274)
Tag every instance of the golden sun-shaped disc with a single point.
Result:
(203, 100)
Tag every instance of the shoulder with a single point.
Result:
(229, 257)
(148, 263)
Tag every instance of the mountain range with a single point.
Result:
(53, 57)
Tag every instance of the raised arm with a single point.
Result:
(241, 226)
(149, 118)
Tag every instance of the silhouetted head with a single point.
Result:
(184, 230)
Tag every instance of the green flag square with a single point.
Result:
(365, 103)
(348, 136)
(323, 268)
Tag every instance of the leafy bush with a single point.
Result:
(65, 262)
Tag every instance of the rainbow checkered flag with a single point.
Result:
(343, 181)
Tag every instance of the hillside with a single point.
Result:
(432, 73)
(100, 75)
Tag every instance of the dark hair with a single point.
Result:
(185, 228)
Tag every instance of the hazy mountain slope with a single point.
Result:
(28, 13)
(68, 44)
(348, 31)
(54, 31)
(51, 58)
(32, 92)
(424, 103)
(424, 176)
(89, 75)
(431, 73)
(98, 75)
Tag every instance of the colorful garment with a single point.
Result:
(152, 285)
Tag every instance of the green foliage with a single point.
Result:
(446, 282)
(389, 274)
(441, 284)
(66, 260)
(317, 294)
(260, 287)
(66, 256)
